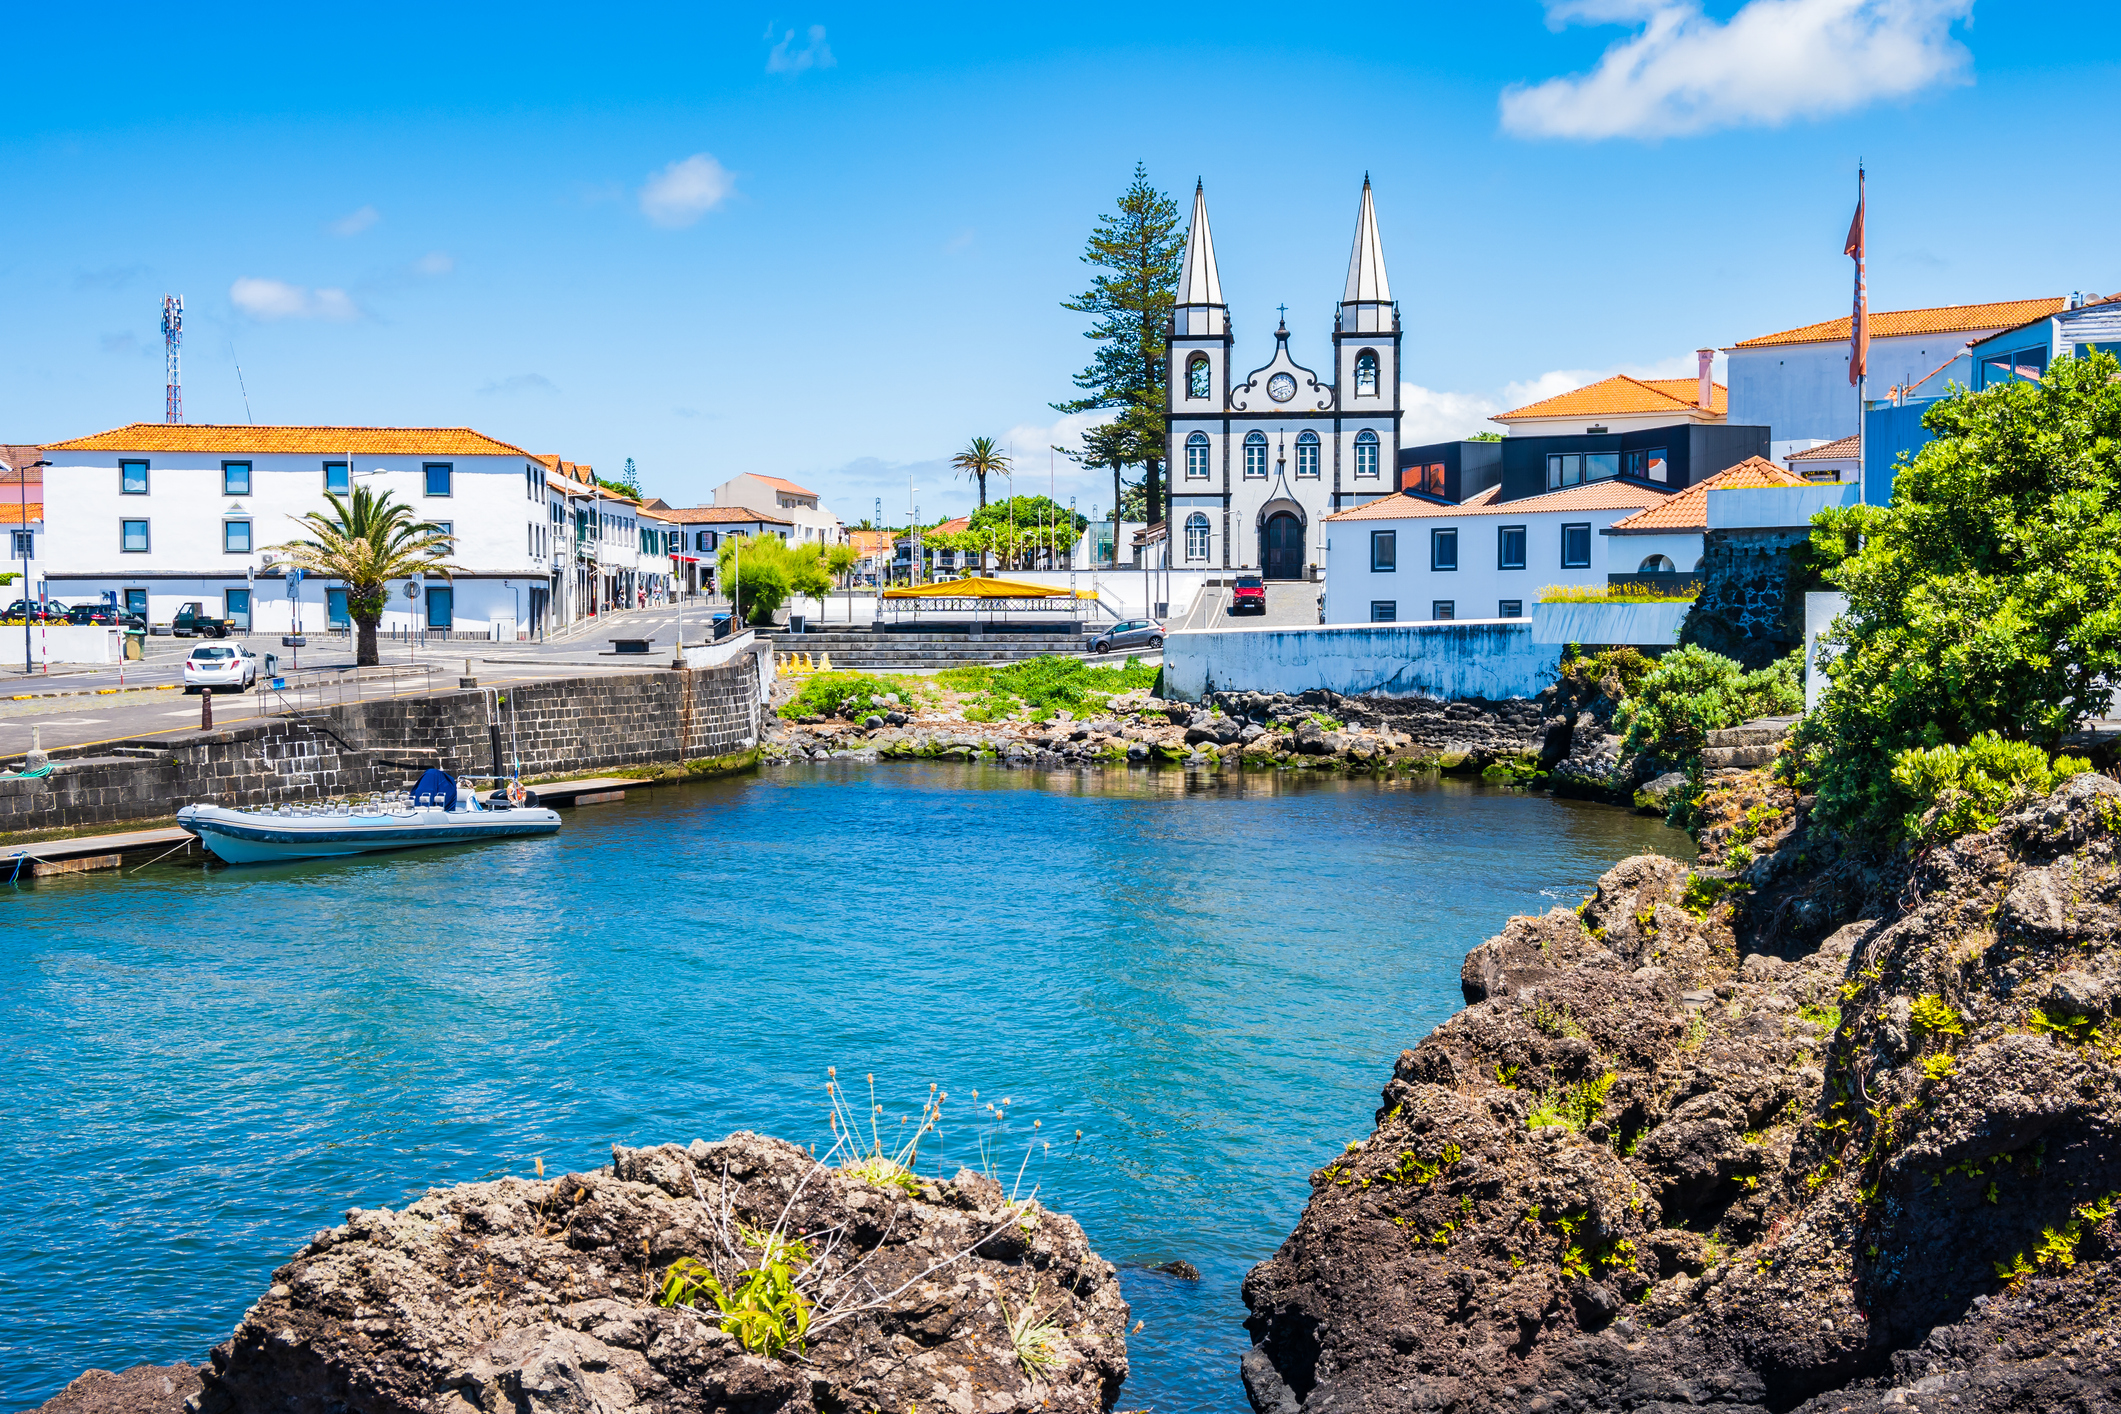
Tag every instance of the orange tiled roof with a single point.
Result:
(15, 513)
(869, 542)
(779, 484)
(360, 441)
(1622, 396)
(1841, 451)
(1591, 496)
(719, 515)
(1689, 509)
(1942, 319)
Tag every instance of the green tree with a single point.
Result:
(767, 571)
(980, 460)
(1138, 249)
(629, 482)
(1985, 598)
(367, 540)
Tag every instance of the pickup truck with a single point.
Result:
(192, 620)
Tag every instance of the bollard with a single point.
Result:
(206, 709)
(806, 663)
(824, 662)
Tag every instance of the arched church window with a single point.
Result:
(1307, 454)
(1197, 457)
(1197, 376)
(1196, 536)
(1255, 454)
(1366, 374)
(1366, 454)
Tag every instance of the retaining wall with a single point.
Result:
(571, 725)
(1489, 659)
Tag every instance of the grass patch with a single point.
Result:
(851, 695)
(1043, 686)
(1612, 594)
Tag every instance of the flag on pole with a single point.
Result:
(1859, 320)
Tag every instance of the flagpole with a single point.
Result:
(1859, 339)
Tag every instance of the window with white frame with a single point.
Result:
(1256, 454)
(1443, 549)
(1366, 455)
(1509, 547)
(23, 545)
(1576, 547)
(1307, 454)
(1197, 457)
(1196, 536)
(1384, 550)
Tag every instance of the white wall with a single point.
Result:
(1493, 658)
(1646, 625)
(808, 522)
(1478, 586)
(1821, 608)
(1802, 391)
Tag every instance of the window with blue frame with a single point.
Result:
(235, 537)
(338, 481)
(132, 478)
(235, 478)
(439, 477)
(2016, 366)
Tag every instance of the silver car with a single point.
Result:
(1129, 633)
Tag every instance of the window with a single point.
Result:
(235, 537)
(1601, 466)
(439, 475)
(1443, 549)
(1564, 470)
(136, 602)
(441, 606)
(1383, 611)
(1307, 454)
(1366, 454)
(1509, 547)
(1197, 457)
(132, 478)
(132, 536)
(1510, 609)
(1196, 536)
(1366, 374)
(336, 613)
(1429, 479)
(1647, 464)
(1255, 454)
(445, 528)
(1384, 549)
(23, 548)
(1443, 609)
(1197, 385)
(235, 478)
(1654, 564)
(338, 480)
(1576, 547)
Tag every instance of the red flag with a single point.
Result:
(1859, 318)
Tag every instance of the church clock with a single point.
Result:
(1281, 387)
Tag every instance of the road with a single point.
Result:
(1291, 603)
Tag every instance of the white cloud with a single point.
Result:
(1433, 415)
(1771, 62)
(435, 262)
(686, 190)
(787, 59)
(520, 383)
(276, 299)
(355, 222)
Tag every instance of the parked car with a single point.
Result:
(47, 611)
(1129, 633)
(220, 668)
(192, 621)
(104, 614)
(1248, 595)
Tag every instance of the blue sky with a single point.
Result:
(831, 243)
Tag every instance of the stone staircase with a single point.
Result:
(1752, 744)
(862, 649)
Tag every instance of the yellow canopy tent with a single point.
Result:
(983, 588)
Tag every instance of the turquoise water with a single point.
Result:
(1209, 981)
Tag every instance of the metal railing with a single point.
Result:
(334, 687)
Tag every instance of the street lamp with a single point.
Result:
(22, 498)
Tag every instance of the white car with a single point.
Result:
(220, 667)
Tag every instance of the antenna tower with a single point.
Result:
(172, 344)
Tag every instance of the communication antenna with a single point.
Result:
(172, 346)
(239, 382)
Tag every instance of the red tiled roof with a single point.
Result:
(1591, 496)
(1689, 509)
(1622, 396)
(1939, 319)
(719, 515)
(1841, 451)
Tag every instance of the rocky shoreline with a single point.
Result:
(1818, 1133)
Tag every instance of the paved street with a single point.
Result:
(1290, 604)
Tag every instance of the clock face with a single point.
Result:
(1281, 387)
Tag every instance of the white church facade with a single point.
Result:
(1257, 463)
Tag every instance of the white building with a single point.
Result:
(1257, 464)
(1666, 539)
(161, 514)
(1404, 557)
(807, 520)
(22, 517)
(702, 529)
(1797, 381)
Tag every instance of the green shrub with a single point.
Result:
(1628, 665)
(1043, 685)
(851, 695)
(1693, 692)
(1970, 787)
(1572, 1106)
(1613, 594)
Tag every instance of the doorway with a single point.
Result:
(238, 611)
(1281, 547)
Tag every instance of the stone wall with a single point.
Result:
(572, 725)
(1753, 584)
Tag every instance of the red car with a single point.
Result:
(1249, 596)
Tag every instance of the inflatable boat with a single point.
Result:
(436, 811)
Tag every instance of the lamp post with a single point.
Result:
(22, 499)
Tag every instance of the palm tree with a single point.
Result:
(979, 460)
(368, 540)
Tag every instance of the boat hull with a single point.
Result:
(238, 837)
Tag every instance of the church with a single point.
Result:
(1258, 463)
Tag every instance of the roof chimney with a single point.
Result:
(1707, 396)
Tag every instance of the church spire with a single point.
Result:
(1366, 263)
(1200, 284)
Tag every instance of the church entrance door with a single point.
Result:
(1281, 547)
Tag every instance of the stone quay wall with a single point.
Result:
(571, 725)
